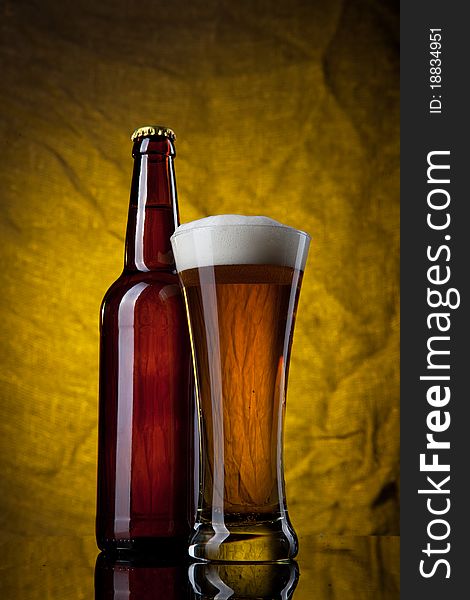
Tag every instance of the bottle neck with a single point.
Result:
(153, 208)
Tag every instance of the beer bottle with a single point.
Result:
(145, 372)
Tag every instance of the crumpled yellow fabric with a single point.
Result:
(288, 109)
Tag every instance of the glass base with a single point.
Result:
(244, 538)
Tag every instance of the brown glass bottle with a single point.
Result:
(145, 372)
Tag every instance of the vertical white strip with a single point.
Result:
(125, 400)
(209, 306)
(212, 575)
(286, 592)
(140, 222)
(121, 584)
(174, 195)
(299, 261)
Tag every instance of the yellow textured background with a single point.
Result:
(286, 108)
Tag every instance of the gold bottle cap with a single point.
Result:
(153, 130)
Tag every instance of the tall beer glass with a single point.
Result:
(241, 280)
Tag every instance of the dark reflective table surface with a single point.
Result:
(327, 568)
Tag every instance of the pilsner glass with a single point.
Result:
(241, 279)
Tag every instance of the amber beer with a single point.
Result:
(241, 278)
(250, 320)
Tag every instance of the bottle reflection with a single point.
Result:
(139, 578)
(223, 581)
(143, 578)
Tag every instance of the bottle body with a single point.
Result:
(145, 378)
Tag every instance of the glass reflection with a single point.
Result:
(223, 581)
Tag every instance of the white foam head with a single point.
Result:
(238, 240)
